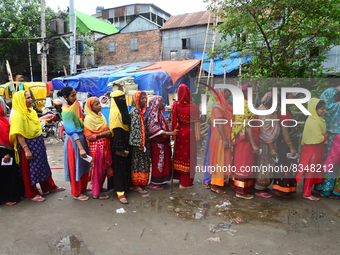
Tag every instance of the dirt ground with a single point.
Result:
(164, 223)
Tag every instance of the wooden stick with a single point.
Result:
(10, 76)
(173, 167)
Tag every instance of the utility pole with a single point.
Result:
(44, 50)
(73, 65)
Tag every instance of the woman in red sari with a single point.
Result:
(219, 146)
(313, 151)
(246, 146)
(159, 136)
(185, 117)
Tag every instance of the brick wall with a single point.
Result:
(149, 48)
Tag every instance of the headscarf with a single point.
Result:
(93, 123)
(136, 97)
(155, 119)
(184, 102)
(24, 121)
(119, 114)
(332, 115)
(217, 103)
(244, 89)
(315, 127)
(246, 117)
(73, 118)
(4, 126)
(266, 99)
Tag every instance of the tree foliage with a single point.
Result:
(20, 19)
(286, 38)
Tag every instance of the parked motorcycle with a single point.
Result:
(51, 121)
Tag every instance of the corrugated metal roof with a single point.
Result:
(187, 20)
(89, 23)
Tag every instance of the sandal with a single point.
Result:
(101, 197)
(206, 185)
(311, 198)
(245, 196)
(57, 189)
(330, 196)
(263, 195)
(120, 198)
(38, 199)
(218, 191)
(141, 191)
(155, 187)
(81, 197)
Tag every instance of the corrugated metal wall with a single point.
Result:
(172, 41)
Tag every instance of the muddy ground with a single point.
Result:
(164, 223)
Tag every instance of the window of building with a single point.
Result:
(112, 47)
(173, 55)
(79, 47)
(185, 43)
(134, 44)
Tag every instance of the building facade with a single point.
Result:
(139, 41)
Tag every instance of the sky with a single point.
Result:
(174, 7)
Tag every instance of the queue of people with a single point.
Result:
(269, 144)
(124, 149)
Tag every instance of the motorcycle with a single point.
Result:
(51, 121)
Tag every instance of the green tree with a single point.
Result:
(20, 20)
(286, 38)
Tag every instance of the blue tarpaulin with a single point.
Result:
(95, 82)
(230, 63)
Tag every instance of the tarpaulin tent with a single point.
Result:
(95, 82)
(175, 69)
(83, 82)
(230, 63)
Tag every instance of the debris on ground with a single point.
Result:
(263, 214)
(120, 210)
(224, 205)
(146, 195)
(219, 227)
(198, 216)
(186, 236)
(214, 239)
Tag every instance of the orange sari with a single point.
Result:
(219, 157)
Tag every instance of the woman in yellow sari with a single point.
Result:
(30, 150)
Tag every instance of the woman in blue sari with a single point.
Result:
(331, 96)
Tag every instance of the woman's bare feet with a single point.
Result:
(184, 187)
(8, 203)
